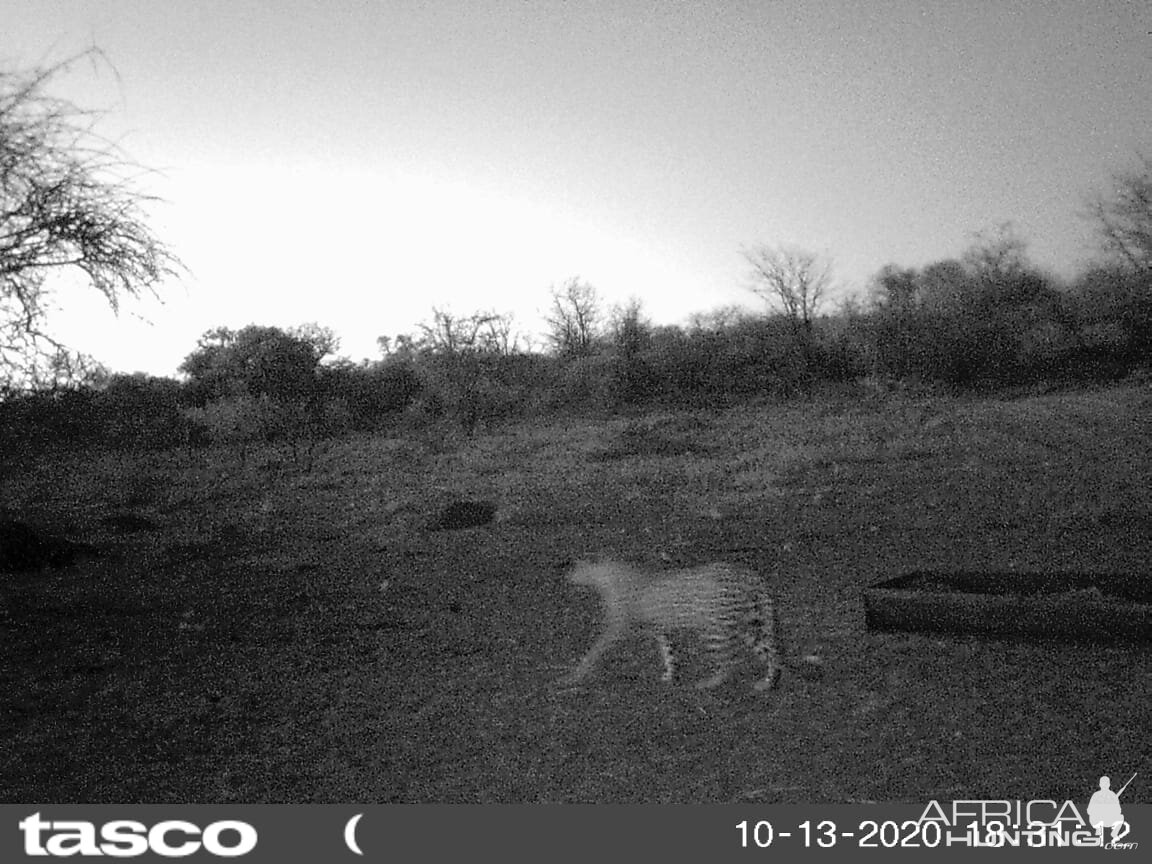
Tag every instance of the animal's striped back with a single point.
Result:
(723, 603)
(696, 598)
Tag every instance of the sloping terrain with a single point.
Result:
(298, 636)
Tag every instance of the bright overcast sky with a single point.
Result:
(357, 163)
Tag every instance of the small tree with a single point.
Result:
(716, 320)
(254, 361)
(574, 319)
(792, 278)
(498, 335)
(630, 328)
(481, 332)
(997, 256)
(452, 334)
(632, 380)
(463, 363)
(324, 341)
(1124, 220)
(895, 290)
(67, 204)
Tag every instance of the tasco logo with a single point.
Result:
(126, 839)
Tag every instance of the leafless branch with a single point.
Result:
(792, 278)
(574, 318)
(67, 202)
(1124, 220)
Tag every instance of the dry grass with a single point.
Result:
(297, 637)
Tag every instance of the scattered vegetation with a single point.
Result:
(986, 321)
(989, 319)
(300, 637)
(68, 204)
(250, 632)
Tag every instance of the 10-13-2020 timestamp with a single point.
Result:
(826, 834)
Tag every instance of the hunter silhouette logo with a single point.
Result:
(1104, 809)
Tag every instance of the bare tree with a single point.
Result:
(401, 345)
(67, 204)
(499, 335)
(715, 320)
(792, 278)
(630, 328)
(574, 318)
(455, 334)
(996, 254)
(1124, 220)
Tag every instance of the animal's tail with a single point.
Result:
(768, 648)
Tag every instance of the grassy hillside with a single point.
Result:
(298, 636)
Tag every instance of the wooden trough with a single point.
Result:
(1065, 607)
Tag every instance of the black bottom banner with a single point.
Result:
(699, 833)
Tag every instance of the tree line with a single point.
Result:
(989, 318)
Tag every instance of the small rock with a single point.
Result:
(24, 548)
(464, 514)
(130, 522)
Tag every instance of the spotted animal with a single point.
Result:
(729, 607)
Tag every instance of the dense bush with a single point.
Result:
(30, 420)
(736, 359)
(373, 395)
(992, 320)
(1112, 308)
(255, 361)
(141, 411)
(988, 319)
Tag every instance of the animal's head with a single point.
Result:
(594, 572)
